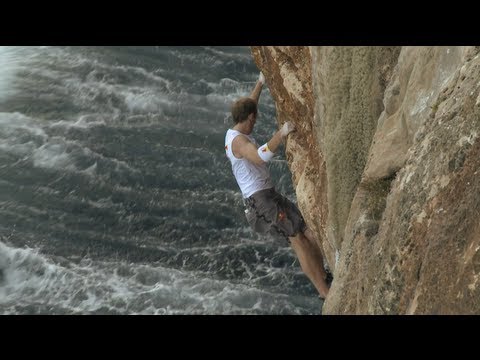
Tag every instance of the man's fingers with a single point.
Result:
(287, 128)
(261, 78)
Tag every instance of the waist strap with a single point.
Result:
(250, 201)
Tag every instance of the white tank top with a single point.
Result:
(250, 177)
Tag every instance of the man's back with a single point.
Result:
(250, 177)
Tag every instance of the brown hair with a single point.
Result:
(242, 108)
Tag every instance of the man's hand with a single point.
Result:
(287, 128)
(261, 78)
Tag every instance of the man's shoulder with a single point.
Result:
(241, 138)
(240, 144)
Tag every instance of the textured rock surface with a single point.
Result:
(288, 73)
(348, 86)
(385, 167)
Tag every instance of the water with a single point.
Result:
(116, 196)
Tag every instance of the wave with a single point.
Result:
(82, 85)
(113, 167)
(9, 60)
(84, 286)
(239, 56)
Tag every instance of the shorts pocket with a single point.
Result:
(258, 224)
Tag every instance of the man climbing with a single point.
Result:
(267, 210)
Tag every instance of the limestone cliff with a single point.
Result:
(385, 164)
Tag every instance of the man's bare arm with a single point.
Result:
(255, 95)
(244, 148)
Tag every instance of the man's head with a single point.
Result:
(244, 111)
(242, 108)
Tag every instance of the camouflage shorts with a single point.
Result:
(269, 212)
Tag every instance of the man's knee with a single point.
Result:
(298, 238)
(308, 233)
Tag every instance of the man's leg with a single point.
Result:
(311, 261)
(311, 236)
(313, 239)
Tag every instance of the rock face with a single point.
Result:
(288, 69)
(385, 165)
